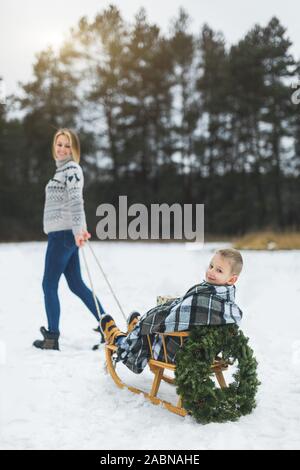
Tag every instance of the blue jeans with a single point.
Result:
(62, 258)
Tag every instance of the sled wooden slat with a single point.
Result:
(164, 365)
(158, 368)
(152, 396)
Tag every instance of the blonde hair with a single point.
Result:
(74, 142)
(234, 257)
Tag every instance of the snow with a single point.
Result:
(66, 400)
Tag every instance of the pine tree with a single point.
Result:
(105, 52)
(186, 107)
(247, 91)
(279, 67)
(214, 142)
(147, 102)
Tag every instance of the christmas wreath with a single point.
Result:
(202, 398)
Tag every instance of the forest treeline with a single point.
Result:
(163, 118)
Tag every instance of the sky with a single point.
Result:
(28, 27)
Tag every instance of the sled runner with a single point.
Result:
(159, 368)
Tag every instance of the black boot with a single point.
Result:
(50, 340)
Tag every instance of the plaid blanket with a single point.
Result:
(203, 304)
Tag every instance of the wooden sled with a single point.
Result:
(158, 368)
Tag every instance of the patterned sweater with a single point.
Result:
(64, 206)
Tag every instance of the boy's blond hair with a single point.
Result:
(74, 142)
(234, 257)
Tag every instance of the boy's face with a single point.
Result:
(219, 271)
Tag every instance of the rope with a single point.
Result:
(106, 279)
(92, 285)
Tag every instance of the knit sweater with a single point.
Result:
(64, 205)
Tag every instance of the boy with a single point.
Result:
(208, 303)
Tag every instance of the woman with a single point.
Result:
(65, 224)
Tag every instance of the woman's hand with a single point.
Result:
(82, 237)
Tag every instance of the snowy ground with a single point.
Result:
(65, 400)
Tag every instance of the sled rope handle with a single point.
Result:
(106, 279)
(92, 286)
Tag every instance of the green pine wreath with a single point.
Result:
(202, 398)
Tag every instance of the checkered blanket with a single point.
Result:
(203, 304)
